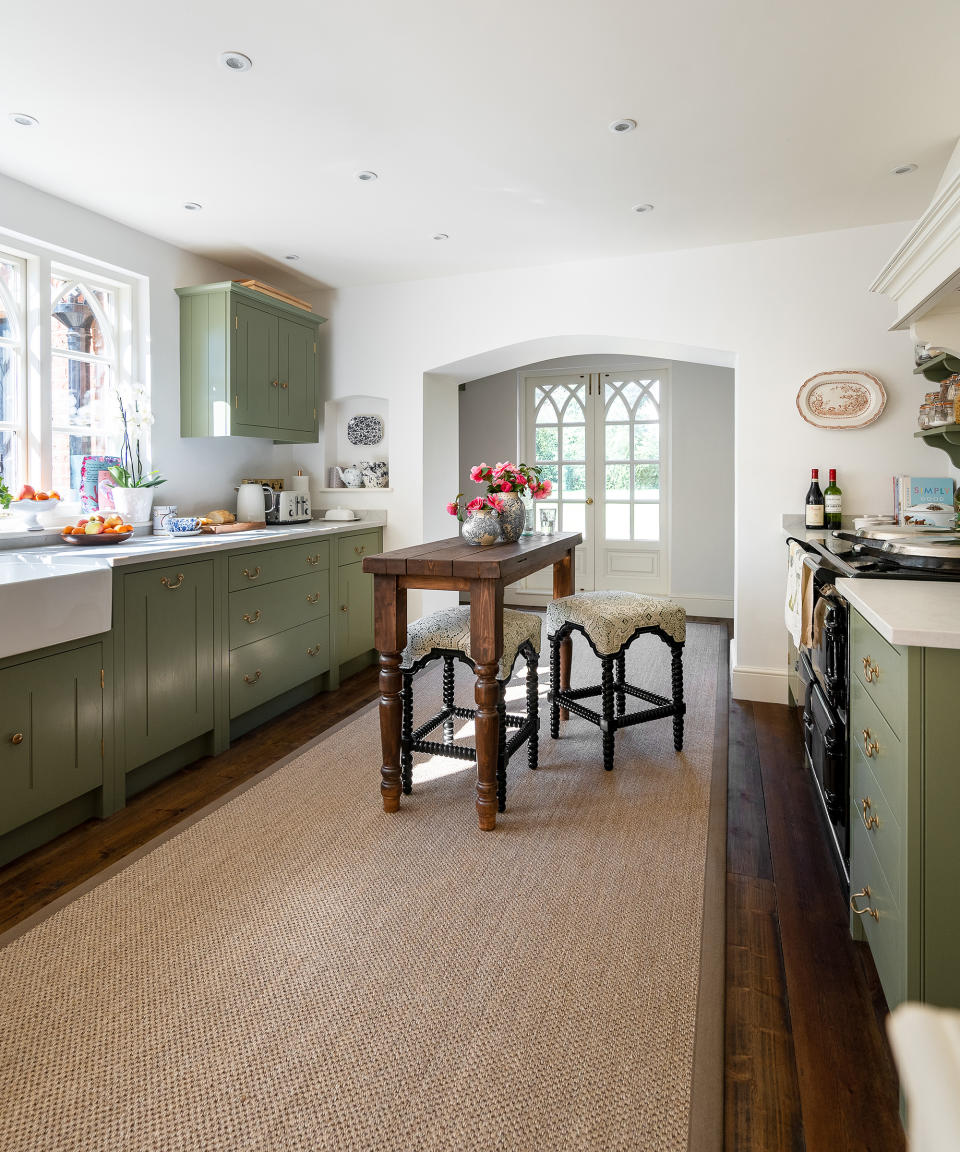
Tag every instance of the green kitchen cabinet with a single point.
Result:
(248, 365)
(354, 612)
(904, 800)
(168, 658)
(51, 732)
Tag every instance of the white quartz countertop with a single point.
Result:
(922, 613)
(60, 592)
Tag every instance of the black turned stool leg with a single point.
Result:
(554, 686)
(406, 733)
(621, 659)
(677, 676)
(533, 712)
(606, 697)
(502, 749)
(448, 724)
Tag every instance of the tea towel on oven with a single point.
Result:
(798, 606)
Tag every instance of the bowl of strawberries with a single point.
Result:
(32, 501)
(97, 529)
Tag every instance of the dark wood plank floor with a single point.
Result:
(807, 1066)
(807, 1062)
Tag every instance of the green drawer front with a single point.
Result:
(887, 935)
(51, 724)
(354, 548)
(868, 805)
(259, 612)
(264, 669)
(277, 563)
(888, 756)
(887, 667)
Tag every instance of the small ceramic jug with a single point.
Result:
(352, 476)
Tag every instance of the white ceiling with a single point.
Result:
(487, 121)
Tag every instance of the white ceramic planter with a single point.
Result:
(133, 504)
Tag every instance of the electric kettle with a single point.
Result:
(253, 502)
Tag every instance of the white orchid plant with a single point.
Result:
(135, 419)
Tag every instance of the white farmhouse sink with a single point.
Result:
(44, 599)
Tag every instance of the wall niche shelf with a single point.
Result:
(945, 437)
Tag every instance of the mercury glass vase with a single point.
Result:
(482, 527)
(513, 517)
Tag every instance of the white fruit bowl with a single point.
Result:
(27, 510)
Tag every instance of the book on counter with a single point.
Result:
(908, 491)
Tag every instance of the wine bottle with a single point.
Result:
(832, 503)
(814, 502)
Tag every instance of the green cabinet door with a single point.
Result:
(51, 731)
(256, 384)
(298, 377)
(168, 659)
(354, 612)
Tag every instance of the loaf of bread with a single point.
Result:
(221, 516)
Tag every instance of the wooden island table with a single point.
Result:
(484, 572)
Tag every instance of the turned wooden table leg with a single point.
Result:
(563, 585)
(486, 648)
(390, 607)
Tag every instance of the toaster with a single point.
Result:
(292, 507)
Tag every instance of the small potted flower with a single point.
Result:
(133, 488)
(506, 485)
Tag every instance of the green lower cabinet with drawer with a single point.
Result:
(272, 666)
(904, 800)
(354, 614)
(258, 612)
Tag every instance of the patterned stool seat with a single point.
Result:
(449, 630)
(609, 619)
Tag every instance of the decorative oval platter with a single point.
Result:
(841, 399)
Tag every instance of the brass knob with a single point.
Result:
(173, 587)
(16, 738)
(248, 619)
(283, 385)
(589, 499)
(344, 608)
(256, 677)
(275, 384)
(251, 575)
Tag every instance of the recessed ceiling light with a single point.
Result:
(192, 206)
(236, 61)
(625, 125)
(441, 236)
(903, 169)
(24, 120)
(367, 175)
(643, 207)
(291, 257)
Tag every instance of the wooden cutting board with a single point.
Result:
(240, 526)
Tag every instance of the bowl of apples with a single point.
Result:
(97, 529)
(30, 502)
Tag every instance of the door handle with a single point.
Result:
(16, 738)
(275, 384)
(169, 584)
(589, 499)
(284, 384)
(864, 894)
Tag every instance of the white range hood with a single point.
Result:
(923, 275)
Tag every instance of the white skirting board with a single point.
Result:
(763, 685)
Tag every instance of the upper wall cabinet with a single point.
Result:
(248, 365)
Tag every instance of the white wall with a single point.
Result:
(778, 310)
(200, 472)
(700, 458)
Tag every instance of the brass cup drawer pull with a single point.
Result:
(254, 619)
(313, 651)
(251, 575)
(252, 679)
(863, 894)
(314, 599)
(314, 559)
(871, 671)
(16, 738)
(871, 748)
(871, 821)
(168, 584)
(359, 549)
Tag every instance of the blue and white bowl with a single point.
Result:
(181, 525)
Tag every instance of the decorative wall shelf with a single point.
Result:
(946, 437)
(938, 368)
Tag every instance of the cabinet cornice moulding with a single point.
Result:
(928, 259)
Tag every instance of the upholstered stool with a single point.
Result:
(611, 621)
(446, 635)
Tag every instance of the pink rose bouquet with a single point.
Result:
(501, 479)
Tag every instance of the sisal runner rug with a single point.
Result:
(297, 970)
